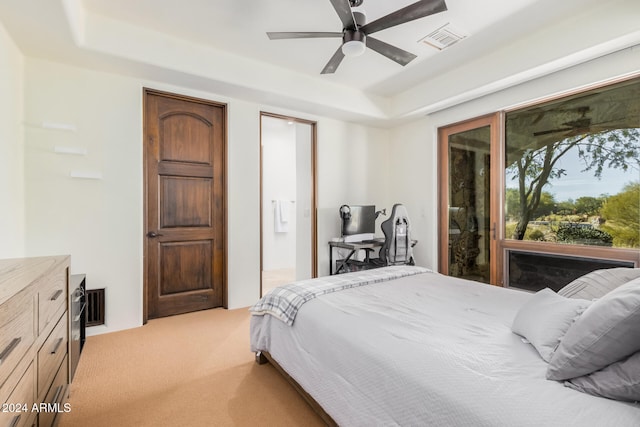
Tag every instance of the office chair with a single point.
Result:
(397, 246)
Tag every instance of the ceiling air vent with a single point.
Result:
(443, 37)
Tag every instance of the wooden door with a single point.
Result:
(184, 151)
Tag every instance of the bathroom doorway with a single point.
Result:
(287, 200)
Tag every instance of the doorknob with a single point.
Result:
(153, 234)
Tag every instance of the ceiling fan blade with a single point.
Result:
(396, 54)
(301, 35)
(333, 63)
(406, 14)
(344, 12)
(573, 125)
(550, 131)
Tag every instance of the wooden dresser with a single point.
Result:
(34, 372)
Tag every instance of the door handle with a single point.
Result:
(153, 234)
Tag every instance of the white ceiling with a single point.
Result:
(239, 27)
(221, 46)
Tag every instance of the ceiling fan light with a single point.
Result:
(353, 48)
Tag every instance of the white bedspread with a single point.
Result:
(284, 302)
(426, 350)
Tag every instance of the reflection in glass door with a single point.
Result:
(467, 225)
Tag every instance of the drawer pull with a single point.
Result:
(57, 294)
(55, 347)
(8, 349)
(15, 420)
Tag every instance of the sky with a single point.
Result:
(576, 184)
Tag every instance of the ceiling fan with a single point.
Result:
(578, 124)
(356, 31)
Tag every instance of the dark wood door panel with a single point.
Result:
(185, 201)
(186, 276)
(180, 169)
(181, 133)
(185, 266)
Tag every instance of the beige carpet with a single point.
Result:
(275, 278)
(189, 370)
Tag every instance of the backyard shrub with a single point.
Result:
(574, 233)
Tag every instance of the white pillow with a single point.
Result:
(608, 331)
(620, 380)
(599, 282)
(545, 318)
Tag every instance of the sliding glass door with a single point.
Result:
(468, 186)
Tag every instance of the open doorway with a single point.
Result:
(287, 200)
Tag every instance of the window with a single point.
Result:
(557, 196)
(572, 170)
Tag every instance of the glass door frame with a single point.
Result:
(314, 190)
(496, 193)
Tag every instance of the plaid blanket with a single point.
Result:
(284, 302)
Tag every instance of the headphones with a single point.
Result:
(345, 212)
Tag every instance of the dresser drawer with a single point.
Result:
(52, 297)
(54, 399)
(16, 331)
(17, 410)
(51, 354)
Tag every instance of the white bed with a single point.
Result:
(426, 350)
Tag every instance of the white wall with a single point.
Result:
(97, 222)
(413, 177)
(304, 201)
(100, 222)
(353, 168)
(413, 166)
(278, 183)
(11, 149)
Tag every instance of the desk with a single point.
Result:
(353, 248)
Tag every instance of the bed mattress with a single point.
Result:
(426, 350)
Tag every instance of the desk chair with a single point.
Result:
(397, 246)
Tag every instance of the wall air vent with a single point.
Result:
(443, 37)
(95, 307)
